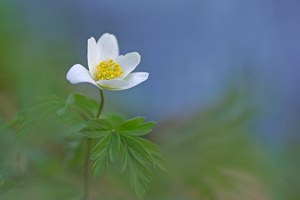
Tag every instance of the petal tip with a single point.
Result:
(108, 36)
(91, 39)
(146, 75)
(137, 55)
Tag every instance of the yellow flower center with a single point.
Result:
(109, 70)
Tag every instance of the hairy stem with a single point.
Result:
(86, 167)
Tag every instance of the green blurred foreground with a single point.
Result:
(209, 156)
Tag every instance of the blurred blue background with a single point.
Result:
(195, 51)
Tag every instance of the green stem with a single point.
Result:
(101, 103)
(86, 173)
(86, 169)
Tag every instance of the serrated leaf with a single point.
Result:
(100, 147)
(139, 157)
(141, 130)
(139, 165)
(146, 151)
(137, 146)
(124, 155)
(101, 124)
(138, 184)
(40, 110)
(130, 123)
(100, 164)
(100, 155)
(96, 128)
(85, 106)
(135, 127)
(114, 146)
(150, 146)
(115, 119)
(140, 175)
(158, 161)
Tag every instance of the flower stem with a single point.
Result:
(86, 167)
(101, 103)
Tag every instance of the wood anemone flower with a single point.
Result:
(107, 69)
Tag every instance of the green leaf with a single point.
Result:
(138, 147)
(146, 151)
(114, 146)
(159, 162)
(96, 128)
(139, 185)
(40, 110)
(120, 139)
(139, 165)
(140, 175)
(124, 155)
(141, 156)
(85, 106)
(114, 118)
(150, 146)
(100, 156)
(131, 123)
(100, 164)
(154, 151)
(135, 127)
(100, 147)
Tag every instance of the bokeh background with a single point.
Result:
(224, 89)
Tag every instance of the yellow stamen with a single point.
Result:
(109, 70)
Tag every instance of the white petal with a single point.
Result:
(128, 62)
(130, 81)
(108, 46)
(79, 74)
(93, 56)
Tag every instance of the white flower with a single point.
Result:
(107, 69)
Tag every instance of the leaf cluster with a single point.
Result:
(119, 139)
(45, 110)
(115, 138)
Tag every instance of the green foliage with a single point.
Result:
(116, 139)
(100, 155)
(140, 154)
(96, 128)
(135, 127)
(120, 139)
(41, 111)
(86, 107)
